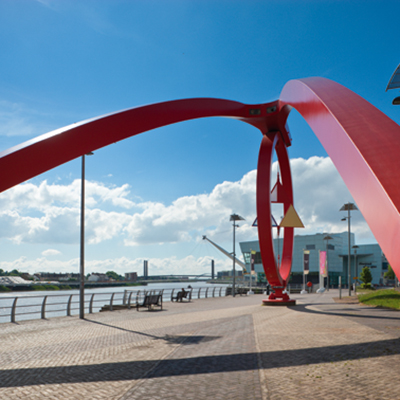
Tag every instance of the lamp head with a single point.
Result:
(396, 101)
(348, 206)
(235, 217)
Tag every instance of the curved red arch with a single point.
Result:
(47, 151)
(364, 145)
(362, 142)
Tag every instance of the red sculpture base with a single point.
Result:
(278, 298)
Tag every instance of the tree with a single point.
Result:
(366, 277)
(114, 275)
(389, 274)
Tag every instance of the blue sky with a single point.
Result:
(154, 195)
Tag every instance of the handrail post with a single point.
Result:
(198, 295)
(207, 292)
(220, 291)
(214, 291)
(129, 300)
(124, 299)
(44, 307)
(111, 302)
(69, 306)
(14, 306)
(91, 304)
(172, 294)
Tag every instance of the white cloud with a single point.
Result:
(30, 196)
(192, 216)
(157, 266)
(50, 252)
(319, 194)
(23, 264)
(50, 213)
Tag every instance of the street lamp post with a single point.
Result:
(327, 238)
(348, 207)
(82, 244)
(234, 218)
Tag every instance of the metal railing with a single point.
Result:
(13, 308)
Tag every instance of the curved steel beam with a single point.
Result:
(45, 152)
(364, 145)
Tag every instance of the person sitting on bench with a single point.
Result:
(181, 295)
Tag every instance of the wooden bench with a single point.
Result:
(180, 295)
(241, 291)
(149, 301)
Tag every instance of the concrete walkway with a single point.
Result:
(222, 348)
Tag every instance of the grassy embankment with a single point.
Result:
(39, 287)
(389, 298)
(47, 286)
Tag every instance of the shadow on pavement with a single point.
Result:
(338, 312)
(195, 365)
(175, 339)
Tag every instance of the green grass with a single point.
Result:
(45, 287)
(382, 298)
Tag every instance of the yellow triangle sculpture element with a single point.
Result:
(291, 219)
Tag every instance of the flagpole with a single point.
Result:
(305, 252)
(252, 261)
(251, 267)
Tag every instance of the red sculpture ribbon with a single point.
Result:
(363, 143)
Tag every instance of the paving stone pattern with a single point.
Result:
(221, 348)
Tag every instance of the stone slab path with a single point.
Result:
(215, 348)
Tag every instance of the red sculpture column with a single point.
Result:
(277, 275)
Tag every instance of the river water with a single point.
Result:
(29, 304)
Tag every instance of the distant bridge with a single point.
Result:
(164, 277)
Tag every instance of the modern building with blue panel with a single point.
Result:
(337, 248)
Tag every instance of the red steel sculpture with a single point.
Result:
(363, 143)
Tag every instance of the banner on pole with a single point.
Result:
(306, 261)
(322, 263)
(252, 258)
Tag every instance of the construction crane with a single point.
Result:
(238, 262)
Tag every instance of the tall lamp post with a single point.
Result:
(234, 218)
(82, 243)
(327, 238)
(348, 207)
